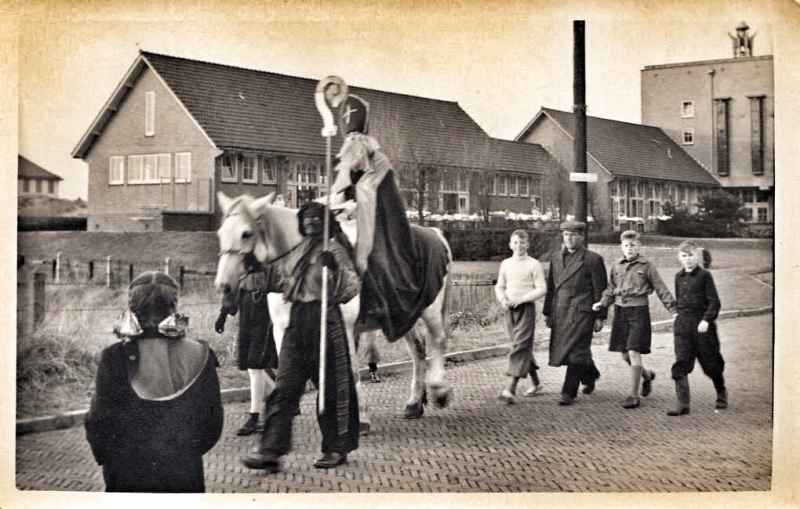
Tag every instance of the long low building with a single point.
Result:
(177, 130)
(638, 167)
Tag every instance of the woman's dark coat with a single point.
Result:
(152, 445)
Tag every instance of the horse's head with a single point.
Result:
(251, 227)
(353, 159)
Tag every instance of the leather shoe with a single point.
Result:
(678, 412)
(566, 400)
(630, 402)
(589, 387)
(258, 460)
(330, 460)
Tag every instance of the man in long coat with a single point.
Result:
(575, 280)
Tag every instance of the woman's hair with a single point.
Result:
(152, 296)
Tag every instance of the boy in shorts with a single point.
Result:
(633, 278)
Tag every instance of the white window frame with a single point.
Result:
(164, 162)
(527, 182)
(179, 175)
(690, 132)
(153, 176)
(512, 185)
(242, 160)
(132, 163)
(687, 108)
(504, 180)
(150, 113)
(267, 164)
(121, 178)
(234, 178)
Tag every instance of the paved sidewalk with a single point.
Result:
(480, 444)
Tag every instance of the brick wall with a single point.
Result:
(112, 206)
(560, 146)
(665, 87)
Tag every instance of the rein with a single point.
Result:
(260, 231)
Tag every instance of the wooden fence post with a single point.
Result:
(167, 266)
(39, 303)
(181, 271)
(108, 271)
(91, 270)
(58, 267)
(130, 273)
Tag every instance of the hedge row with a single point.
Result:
(492, 244)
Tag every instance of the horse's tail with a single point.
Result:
(446, 283)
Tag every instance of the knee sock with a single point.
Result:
(636, 377)
(259, 382)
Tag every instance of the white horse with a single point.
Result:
(269, 233)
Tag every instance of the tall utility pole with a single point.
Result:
(579, 111)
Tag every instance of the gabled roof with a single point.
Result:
(30, 169)
(241, 108)
(520, 156)
(631, 150)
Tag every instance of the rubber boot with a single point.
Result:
(682, 392)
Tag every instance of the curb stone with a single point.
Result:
(241, 394)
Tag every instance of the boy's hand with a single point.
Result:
(596, 306)
(702, 327)
(598, 324)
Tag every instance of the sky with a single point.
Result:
(501, 61)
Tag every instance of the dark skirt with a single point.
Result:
(255, 346)
(631, 329)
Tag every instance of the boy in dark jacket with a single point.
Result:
(695, 328)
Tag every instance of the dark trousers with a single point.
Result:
(298, 363)
(579, 374)
(691, 345)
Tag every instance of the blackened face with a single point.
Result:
(312, 223)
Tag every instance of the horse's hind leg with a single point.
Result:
(416, 349)
(436, 346)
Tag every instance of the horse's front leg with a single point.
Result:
(416, 350)
(440, 391)
(350, 311)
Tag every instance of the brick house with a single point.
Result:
(638, 167)
(177, 130)
(722, 112)
(33, 179)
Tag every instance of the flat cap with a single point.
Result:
(573, 226)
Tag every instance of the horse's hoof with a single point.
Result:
(441, 397)
(364, 428)
(414, 411)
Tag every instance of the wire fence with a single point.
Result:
(65, 289)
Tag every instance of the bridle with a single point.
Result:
(258, 223)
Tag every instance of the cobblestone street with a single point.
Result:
(481, 444)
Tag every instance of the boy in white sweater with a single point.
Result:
(520, 282)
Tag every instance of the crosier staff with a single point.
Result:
(330, 93)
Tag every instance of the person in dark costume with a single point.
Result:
(156, 408)
(299, 356)
(695, 328)
(576, 280)
(255, 344)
